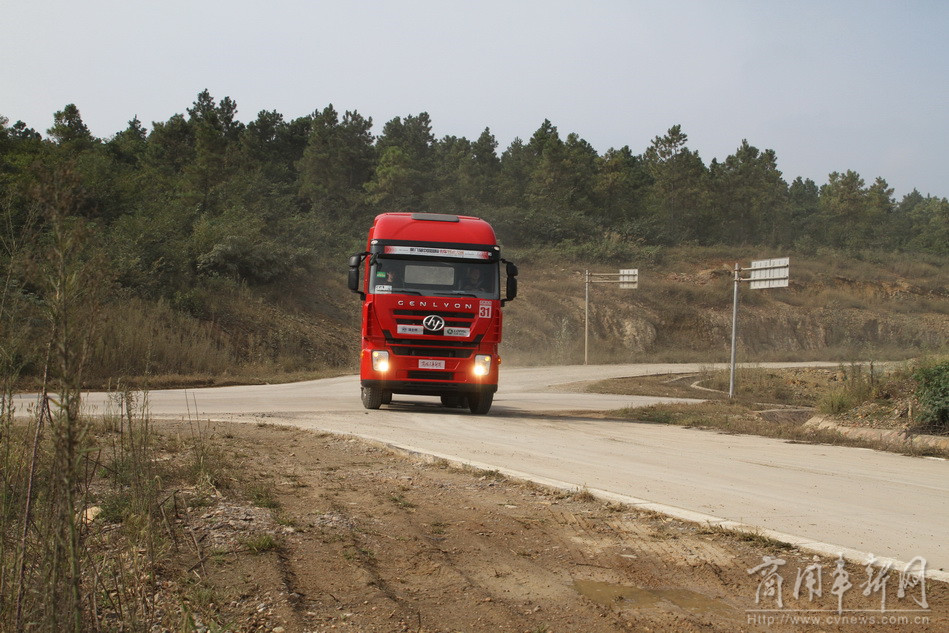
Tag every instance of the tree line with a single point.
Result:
(203, 194)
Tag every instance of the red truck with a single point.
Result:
(431, 315)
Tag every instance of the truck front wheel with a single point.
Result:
(480, 403)
(371, 397)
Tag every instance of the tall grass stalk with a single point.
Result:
(135, 502)
(73, 282)
(857, 384)
(15, 239)
(42, 572)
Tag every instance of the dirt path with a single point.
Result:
(353, 537)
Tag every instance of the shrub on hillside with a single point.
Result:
(932, 391)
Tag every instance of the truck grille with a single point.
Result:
(424, 313)
(430, 375)
(432, 347)
(415, 317)
(428, 352)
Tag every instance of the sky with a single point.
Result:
(829, 85)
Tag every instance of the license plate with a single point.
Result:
(431, 364)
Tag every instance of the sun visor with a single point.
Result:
(436, 250)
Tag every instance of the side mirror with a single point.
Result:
(354, 277)
(511, 290)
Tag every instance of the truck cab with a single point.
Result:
(431, 286)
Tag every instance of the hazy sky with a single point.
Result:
(829, 85)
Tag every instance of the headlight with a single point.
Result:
(482, 365)
(380, 360)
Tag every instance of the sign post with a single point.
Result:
(627, 278)
(764, 273)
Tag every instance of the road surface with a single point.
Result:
(824, 497)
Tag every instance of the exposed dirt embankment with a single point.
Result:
(688, 316)
(778, 327)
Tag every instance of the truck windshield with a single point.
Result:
(434, 278)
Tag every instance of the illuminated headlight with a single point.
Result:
(380, 360)
(482, 365)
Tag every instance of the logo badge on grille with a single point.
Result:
(433, 323)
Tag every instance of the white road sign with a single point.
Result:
(629, 278)
(770, 273)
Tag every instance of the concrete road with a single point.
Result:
(827, 498)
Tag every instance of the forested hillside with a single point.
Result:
(171, 249)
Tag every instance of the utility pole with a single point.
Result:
(586, 315)
(731, 375)
(627, 278)
(765, 273)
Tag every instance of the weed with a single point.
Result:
(115, 506)
(584, 495)
(753, 536)
(201, 594)
(494, 475)
(207, 466)
(261, 543)
(262, 496)
(836, 401)
(358, 554)
(401, 501)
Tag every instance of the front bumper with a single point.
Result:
(426, 388)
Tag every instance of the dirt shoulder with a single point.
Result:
(317, 532)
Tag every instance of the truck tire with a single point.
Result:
(371, 397)
(480, 403)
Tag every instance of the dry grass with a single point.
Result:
(738, 419)
(867, 393)
(754, 537)
(790, 387)
(128, 499)
(583, 495)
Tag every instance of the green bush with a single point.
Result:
(932, 391)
